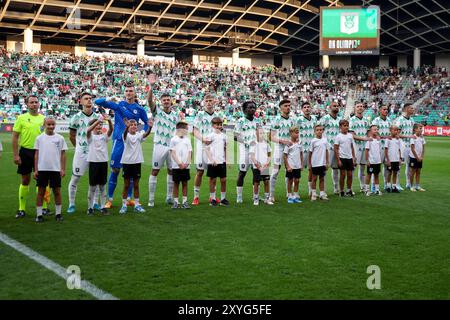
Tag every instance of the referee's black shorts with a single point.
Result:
(98, 172)
(27, 161)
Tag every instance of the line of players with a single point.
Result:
(166, 119)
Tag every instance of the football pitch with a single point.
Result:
(315, 250)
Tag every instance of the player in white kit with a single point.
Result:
(78, 136)
(165, 121)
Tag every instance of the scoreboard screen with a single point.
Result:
(349, 30)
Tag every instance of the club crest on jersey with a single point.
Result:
(135, 111)
(155, 164)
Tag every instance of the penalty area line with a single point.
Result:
(86, 286)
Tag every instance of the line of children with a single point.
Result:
(50, 162)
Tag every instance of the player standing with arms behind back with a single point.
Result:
(306, 124)
(245, 134)
(330, 123)
(359, 127)
(405, 123)
(383, 123)
(78, 136)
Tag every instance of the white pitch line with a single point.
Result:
(54, 267)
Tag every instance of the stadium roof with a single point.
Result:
(267, 26)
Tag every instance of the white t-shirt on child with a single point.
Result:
(345, 142)
(217, 147)
(50, 148)
(261, 150)
(98, 148)
(418, 143)
(374, 147)
(293, 154)
(182, 147)
(394, 147)
(319, 149)
(132, 152)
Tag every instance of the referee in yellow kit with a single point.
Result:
(28, 127)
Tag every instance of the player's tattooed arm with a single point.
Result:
(150, 97)
(73, 136)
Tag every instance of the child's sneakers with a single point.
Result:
(256, 202)
(123, 210)
(239, 200)
(224, 202)
(378, 193)
(313, 196)
(291, 200)
(90, 212)
(412, 189)
(185, 205)
(175, 206)
(59, 217)
(395, 190)
(419, 188)
(297, 200)
(268, 202)
(213, 203)
(324, 197)
(39, 219)
(139, 209)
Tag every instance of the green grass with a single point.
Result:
(307, 251)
